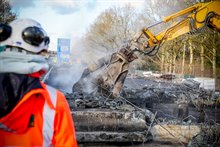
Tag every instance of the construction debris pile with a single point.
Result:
(143, 104)
(174, 99)
(98, 119)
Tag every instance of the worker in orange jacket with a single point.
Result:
(31, 112)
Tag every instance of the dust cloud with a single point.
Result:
(64, 75)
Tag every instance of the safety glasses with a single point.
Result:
(32, 35)
(5, 32)
(35, 36)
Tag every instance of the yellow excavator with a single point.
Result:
(200, 16)
(110, 81)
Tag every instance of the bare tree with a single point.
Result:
(112, 29)
(6, 15)
(202, 61)
(183, 58)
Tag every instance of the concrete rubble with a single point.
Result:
(149, 111)
(101, 120)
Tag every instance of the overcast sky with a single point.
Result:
(66, 18)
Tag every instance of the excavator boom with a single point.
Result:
(199, 17)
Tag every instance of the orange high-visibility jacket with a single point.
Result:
(41, 118)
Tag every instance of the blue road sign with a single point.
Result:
(63, 50)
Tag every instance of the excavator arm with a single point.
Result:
(110, 81)
(199, 17)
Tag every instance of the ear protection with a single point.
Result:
(5, 32)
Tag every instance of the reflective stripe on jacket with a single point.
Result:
(41, 118)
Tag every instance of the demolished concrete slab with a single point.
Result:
(175, 133)
(112, 121)
(109, 120)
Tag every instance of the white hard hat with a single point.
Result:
(26, 34)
